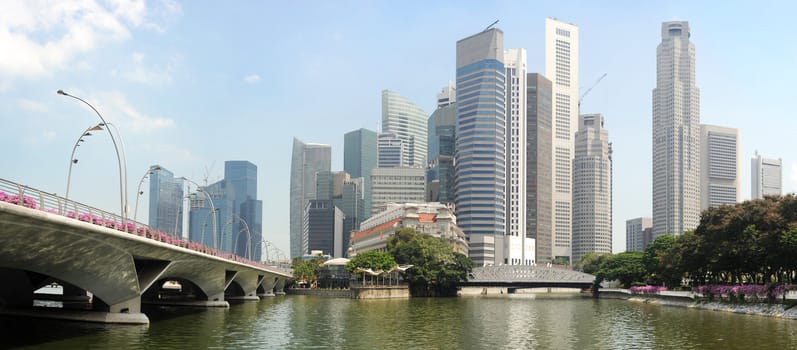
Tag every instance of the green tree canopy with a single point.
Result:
(374, 260)
(436, 267)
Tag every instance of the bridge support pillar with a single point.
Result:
(279, 287)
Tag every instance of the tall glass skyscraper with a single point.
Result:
(480, 165)
(561, 66)
(359, 158)
(539, 173)
(408, 122)
(676, 134)
(239, 214)
(165, 201)
(306, 161)
(441, 129)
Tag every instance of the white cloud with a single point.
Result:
(39, 37)
(116, 109)
(252, 78)
(46, 137)
(31, 106)
(142, 72)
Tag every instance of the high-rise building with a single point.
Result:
(307, 160)
(635, 240)
(561, 66)
(353, 207)
(408, 122)
(516, 250)
(766, 177)
(480, 161)
(719, 166)
(391, 151)
(238, 219)
(397, 185)
(447, 96)
(359, 158)
(592, 188)
(676, 134)
(441, 130)
(165, 201)
(539, 172)
(323, 227)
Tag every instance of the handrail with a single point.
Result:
(14, 193)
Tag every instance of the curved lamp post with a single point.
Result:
(122, 175)
(150, 171)
(235, 242)
(212, 207)
(72, 159)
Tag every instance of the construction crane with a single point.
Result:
(588, 90)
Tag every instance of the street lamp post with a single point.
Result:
(212, 207)
(122, 175)
(150, 171)
(72, 159)
(248, 243)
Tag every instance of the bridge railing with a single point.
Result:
(35, 199)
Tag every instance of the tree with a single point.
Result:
(306, 270)
(626, 267)
(374, 260)
(656, 261)
(436, 267)
(590, 263)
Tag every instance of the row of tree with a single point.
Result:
(751, 242)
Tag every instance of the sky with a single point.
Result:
(193, 84)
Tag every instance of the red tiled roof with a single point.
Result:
(381, 227)
(427, 217)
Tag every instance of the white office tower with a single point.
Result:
(396, 185)
(676, 134)
(408, 122)
(766, 176)
(480, 158)
(719, 166)
(561, 66)
(592, 188)
(516, 251)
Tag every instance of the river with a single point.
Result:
(509, 322)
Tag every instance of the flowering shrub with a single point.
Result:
(738, 292)
(647, 289)
(26, 201)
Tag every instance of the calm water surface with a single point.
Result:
(516, 322)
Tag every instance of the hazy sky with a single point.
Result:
(192, 84)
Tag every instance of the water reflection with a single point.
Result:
(510, 322)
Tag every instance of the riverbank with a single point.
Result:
(688, 300)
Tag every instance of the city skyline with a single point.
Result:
(189, 108)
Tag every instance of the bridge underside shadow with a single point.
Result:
(106, 274)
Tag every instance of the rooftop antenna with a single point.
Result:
(490, 26)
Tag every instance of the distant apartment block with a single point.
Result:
(766, 177)
(720, 183)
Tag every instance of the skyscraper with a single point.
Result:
(676, 134)
(592, 188)
(766, 177)
(719, 166)
(516, 251)
(441, 130)
(561, 66)
(165, 201)
(397, 185)
(306, 161)
(323, 226)
(480, 161)
(408, 122)
(359, 158)
(635, 240)
(539, 173)
(238, 219)
(391, 151)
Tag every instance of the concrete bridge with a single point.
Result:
(120, 264)
(513, 277)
